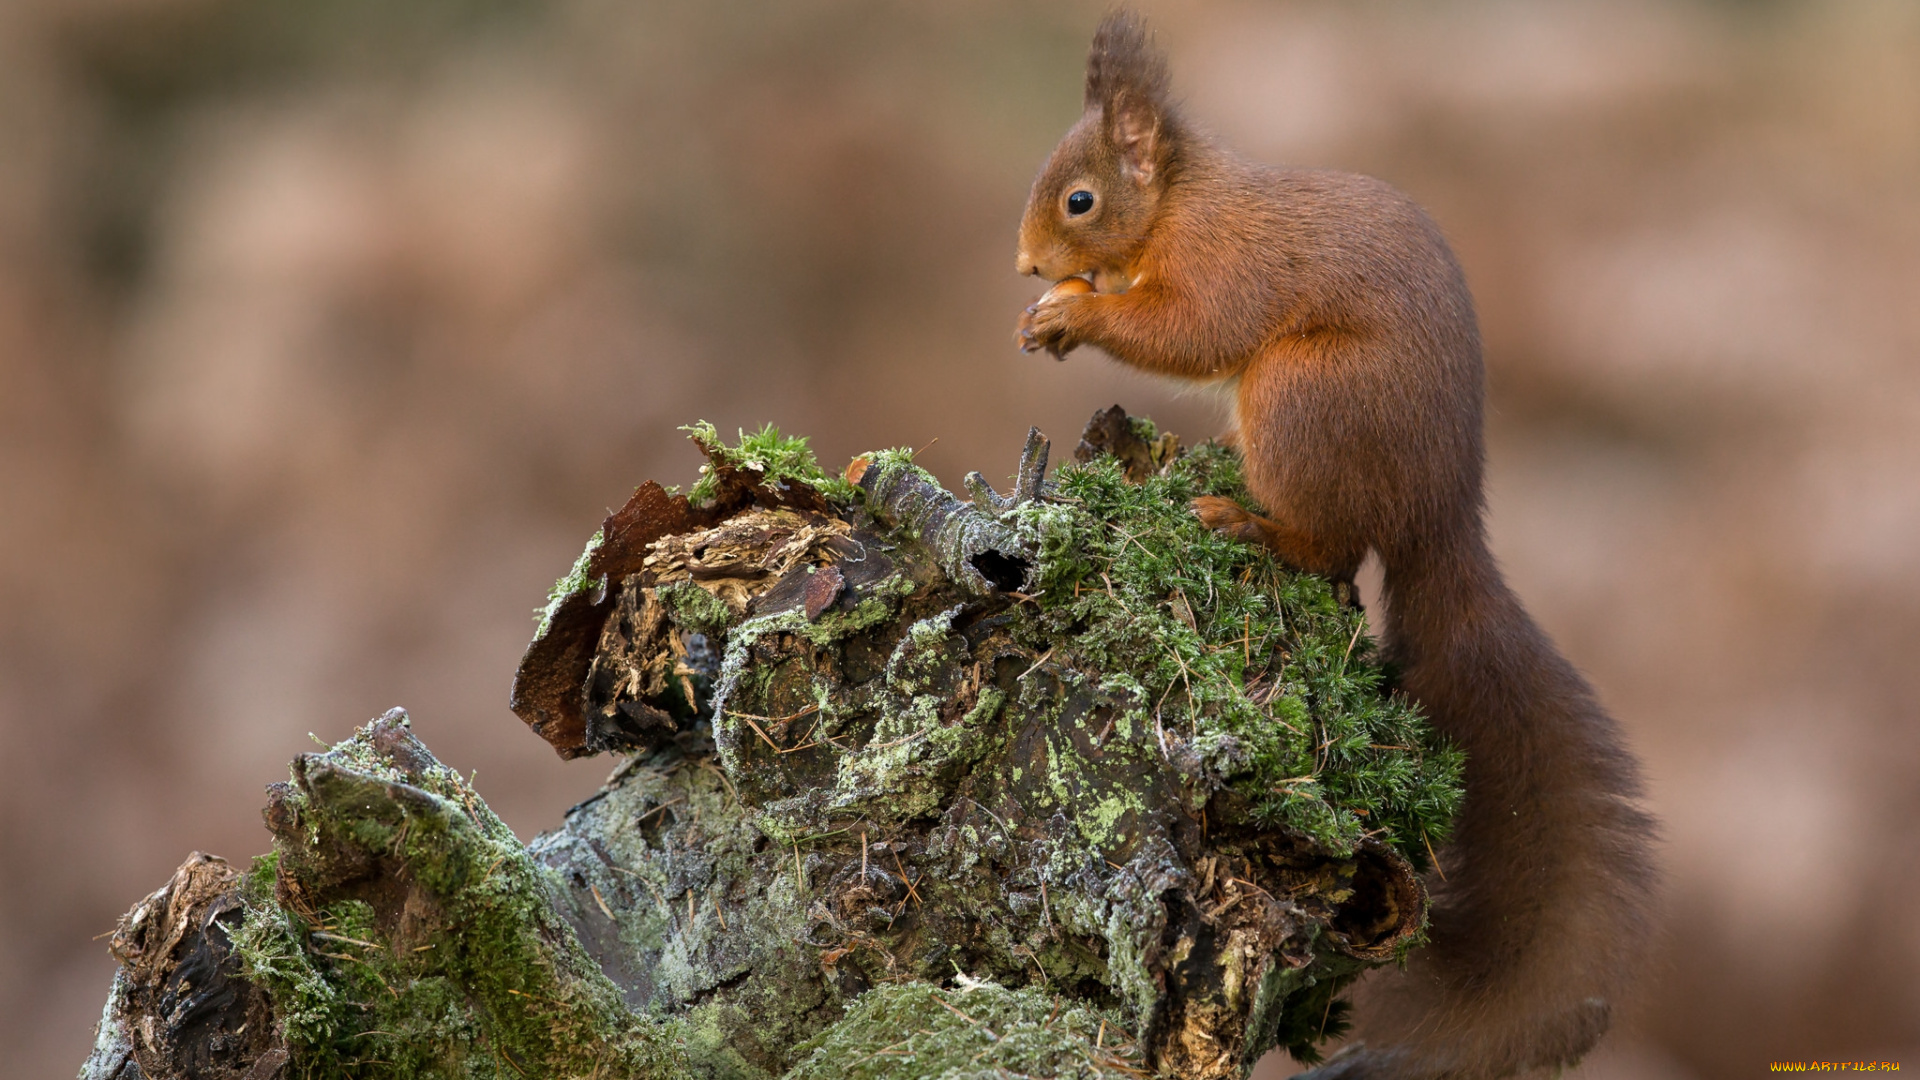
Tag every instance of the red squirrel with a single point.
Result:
(1332, 308)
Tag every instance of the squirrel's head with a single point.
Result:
(1093, 203)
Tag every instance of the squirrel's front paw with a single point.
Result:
(1044, 326)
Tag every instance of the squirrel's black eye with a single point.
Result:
(1079, 202)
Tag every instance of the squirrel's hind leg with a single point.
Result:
(1290, 545)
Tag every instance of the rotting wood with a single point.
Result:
(870, 765)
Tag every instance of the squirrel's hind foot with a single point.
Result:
(1229, 518)
(1296, 549)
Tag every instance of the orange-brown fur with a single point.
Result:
(1337, 306)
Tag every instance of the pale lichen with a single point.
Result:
(916, 1031)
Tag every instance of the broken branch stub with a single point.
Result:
(970, 544)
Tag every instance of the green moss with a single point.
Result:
(1312, 1011)
(456, 966)
(575, 581)
(891, 459)
(920, 1032)
(779, 460)
(272, 954)
(878, 603)
(696, 608)
(1267, 681)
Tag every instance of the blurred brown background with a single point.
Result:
(329, 329)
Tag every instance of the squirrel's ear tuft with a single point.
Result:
(1127, 81)
(1124, 62)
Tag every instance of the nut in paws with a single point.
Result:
(1044, 325)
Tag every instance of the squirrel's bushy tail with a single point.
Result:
(1545, 911)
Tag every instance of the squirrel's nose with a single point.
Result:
(1024, 265)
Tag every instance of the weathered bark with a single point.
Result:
(901, 803)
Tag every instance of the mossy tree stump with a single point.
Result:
(1050, 784)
